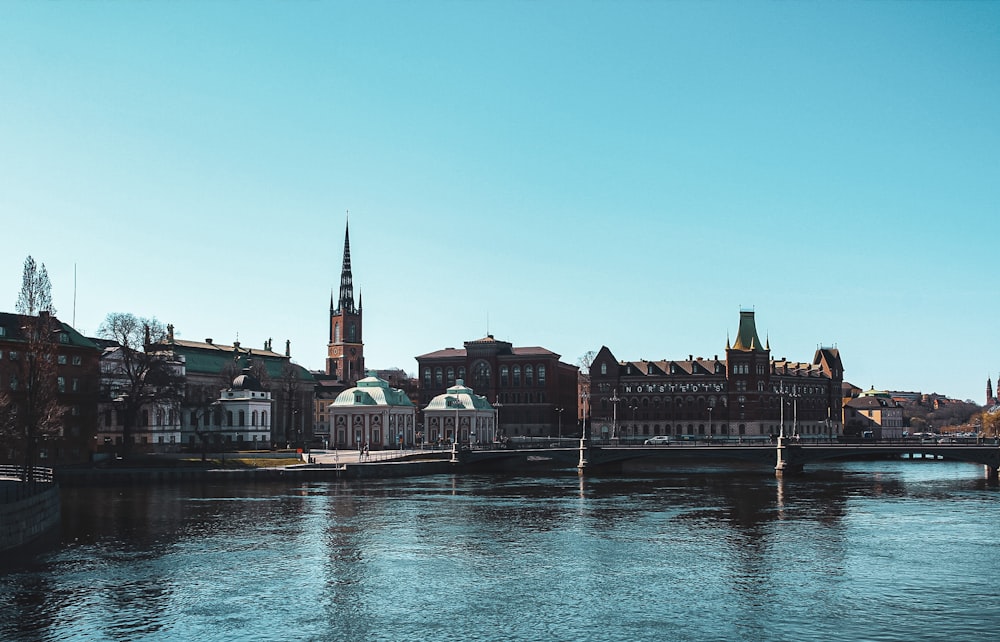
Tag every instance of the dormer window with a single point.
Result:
(604, 366)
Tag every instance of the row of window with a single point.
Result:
(510, 376)
(168, 418)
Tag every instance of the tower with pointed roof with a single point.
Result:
(749, 372)
(345, 352)
(990, 399)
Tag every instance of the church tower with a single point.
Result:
(990, 400)
(345, 353)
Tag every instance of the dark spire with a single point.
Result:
(346, 302)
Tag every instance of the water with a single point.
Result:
(865, 551)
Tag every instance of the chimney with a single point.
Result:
(208, 340)
(288, 347)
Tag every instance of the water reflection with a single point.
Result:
(709, 554)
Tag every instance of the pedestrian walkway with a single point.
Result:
(341, 457)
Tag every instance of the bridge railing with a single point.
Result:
(13, 488)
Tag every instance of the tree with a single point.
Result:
(36, 290)
(31, 410)
(142, 376)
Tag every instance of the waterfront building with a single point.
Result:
(874, 411)
(460, 414)
(748, 393)
(157, 422)
(210, 367)
(372, 413)
(77, 374)
(533, 391)
(245, 412)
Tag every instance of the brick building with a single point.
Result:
(748, 393)
(532, 390)
(78, 374)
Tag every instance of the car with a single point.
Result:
(659, 440)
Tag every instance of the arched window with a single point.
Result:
(504, 376)
(529, 376)
(439, 376)
(481, 377)
(451, 376)
(461, 373)
(427, 377)
(352, 333)
(517, 376)
(336, 332)
(229, 417)
(541, 375)
(263, 418)
(243, 418)
(604, 368)
(253, 418)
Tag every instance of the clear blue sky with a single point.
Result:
(565, 174)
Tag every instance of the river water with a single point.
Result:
(860, 551)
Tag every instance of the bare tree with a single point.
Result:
(30, 407)
(142, 376)
(36, 290)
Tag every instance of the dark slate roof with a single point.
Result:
(12, 324)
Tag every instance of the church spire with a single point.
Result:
(346, 302)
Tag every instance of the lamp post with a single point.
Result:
(711, 430)
(795, 411)
(614, 417)
(584, 397)
(496, 428)
(559, 412)
(633, 407)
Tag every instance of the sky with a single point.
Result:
(568, 175)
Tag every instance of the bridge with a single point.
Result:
(788, 456)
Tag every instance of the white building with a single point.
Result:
(373, 414)
(460, 406)
(245, 417)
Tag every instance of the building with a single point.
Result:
(372, 414)
(211, 367)
(345, 359)
(874, 411)
(748, 393)
(459, 406)
(534, 392)
(77, 371)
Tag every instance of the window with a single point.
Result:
(481, 377)
(77, 360)
(263, 418)
(517, 376)
(336, 332)
(13, 382)
(61, 359)
(75, 385)
(13, 355)
(604, 368)
(461, 373)
(450, 376)
(439, 376)
(529, 376)
(63, 337)
(3, 331)
(541, 375)
(427, 377)
(504, 376)
(61, 383)
(229, 417)
(243, 418)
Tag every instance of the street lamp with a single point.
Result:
(633, 407)
(584, 397)
(496, 428)
(614, 417)
(711, 431)
(560, 412)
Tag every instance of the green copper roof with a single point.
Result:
(372, 391)
(459, 397)
(211, 358)
(747, 339)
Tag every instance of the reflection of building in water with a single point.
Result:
(747, 393)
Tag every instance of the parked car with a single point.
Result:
(659, 440)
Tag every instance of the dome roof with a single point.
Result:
(246, 381)
(372, 391)
(457, 397)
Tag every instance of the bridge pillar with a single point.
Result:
(992, 473)
(789, 458)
